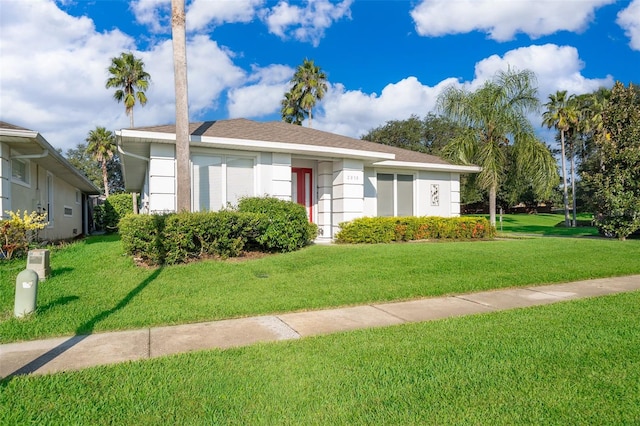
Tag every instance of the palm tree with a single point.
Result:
(101, 146)
(130, 79)
(562, 114)
(494, 116)
(291, 111)
(309, 86)
(178, 34)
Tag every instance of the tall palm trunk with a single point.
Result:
(178, 33)
(105, 179)
(564, 181)
(131, 118)
(572, 166)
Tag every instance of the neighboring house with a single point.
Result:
(337, 178)
(36, 177)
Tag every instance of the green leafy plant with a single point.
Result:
(114, 208)
(284, 226)
(373, 230)
(17, 232)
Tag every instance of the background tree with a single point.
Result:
(290, 110)
(178, 34)
(616, 176)
(128, 76)
(562, 113)
(309, 85)
(101, 146)
(87, 165)
(428, 135)
(493, 117)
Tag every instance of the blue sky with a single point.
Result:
(384, 59)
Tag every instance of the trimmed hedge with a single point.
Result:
(114, 208)
(265, 224)
(286, 228)
(374, 230)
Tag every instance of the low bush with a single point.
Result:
(143, 237)
(114, 208)
(17, 232)
(285, 226)
(265, 224)
(388, 229)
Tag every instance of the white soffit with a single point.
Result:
(429, 166)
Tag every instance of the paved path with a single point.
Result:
(77, 352)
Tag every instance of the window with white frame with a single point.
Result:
(218, 180)
(20, 171)
(68, 211)
(395, 194)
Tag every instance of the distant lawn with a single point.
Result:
(95, 287)
(575, 362)
(545, 224)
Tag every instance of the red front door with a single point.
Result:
(301, 189)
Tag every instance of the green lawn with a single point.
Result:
(575, 362)
(94, 287)
(545, 224)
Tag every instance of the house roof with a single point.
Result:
(32, 145)
(275, 136)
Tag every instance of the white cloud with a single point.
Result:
(306, 24)
(354, 113)
(502, 20)
(156, 14)
(58, 87)
(629, 20)
(202, 13)
(262, 98)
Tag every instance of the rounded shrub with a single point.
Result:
(284, 225)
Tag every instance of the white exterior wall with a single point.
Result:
(5, 181)
(162, 178)
(348, 191)
(324, 184)
(26, 198)
(447, 201)
(370, 199)
(280, 176)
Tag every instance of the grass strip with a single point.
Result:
(575, 362)
(94, 287)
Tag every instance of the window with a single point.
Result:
(20, 171)
(218, 180)
(68, 211)
(395, 194)
(78, 197)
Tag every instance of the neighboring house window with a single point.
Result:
(221, 180)
(68, 211)
(395, 194)
(20, 171)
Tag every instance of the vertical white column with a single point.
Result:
(455, 194)
(162, 178)
(325, 197)
(348, 192)
(281, 176)
(5, 181)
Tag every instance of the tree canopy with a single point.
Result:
(308, 86)
(494, 117)
(128, 76)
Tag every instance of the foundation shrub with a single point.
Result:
(114, 208)
(143, 237)
(221, 234)
(283, 226)
(389, 229)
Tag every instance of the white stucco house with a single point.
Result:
(337, 178)
(36, 177)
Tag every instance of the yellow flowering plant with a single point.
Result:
(17, 232)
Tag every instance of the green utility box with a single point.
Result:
(26, 293)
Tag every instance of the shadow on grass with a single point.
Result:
(58, 302)
(60, 271)
(82, 332)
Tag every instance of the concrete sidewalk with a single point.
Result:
(77, 352)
